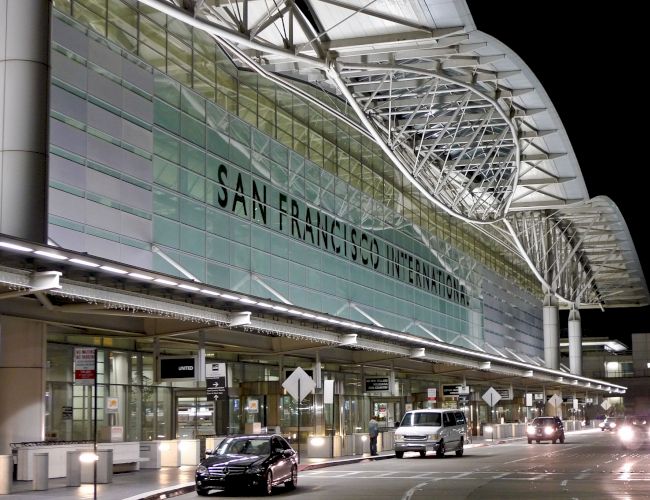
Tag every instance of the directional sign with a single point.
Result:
(605, 404)
(555, 400)
(491, 396)
(299, 384)
(215, 381)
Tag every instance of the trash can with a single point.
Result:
(6, 474)
(73, 468)
(41, 465)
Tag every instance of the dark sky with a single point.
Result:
(588, 58)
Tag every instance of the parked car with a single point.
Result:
(611, 423)
(436, 430)
(545, 429)
(257, 462)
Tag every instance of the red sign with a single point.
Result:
(84, 365)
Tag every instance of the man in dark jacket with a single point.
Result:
(373, 432)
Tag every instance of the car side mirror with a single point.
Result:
(286, 453)
(396, 425)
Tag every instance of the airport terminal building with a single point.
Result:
(204, 196)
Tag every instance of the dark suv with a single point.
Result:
(546, 429)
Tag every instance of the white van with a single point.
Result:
(436, 430)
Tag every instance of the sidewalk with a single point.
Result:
(172, 481)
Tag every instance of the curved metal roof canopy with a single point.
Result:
(459, 114)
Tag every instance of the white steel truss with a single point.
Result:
(457, 112)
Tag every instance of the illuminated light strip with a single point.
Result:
(165, 282)
(210, 292)
(113, 270)
(51, 255)
(227, 296)
(13, 246)
(141, 276)
(188, 287)
(82, 262)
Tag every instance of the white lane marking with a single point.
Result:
(562, 449)
(563, 483)
(461, 475)
(409, 493)
(538, 476)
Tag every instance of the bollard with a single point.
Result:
(6, 474)
(40, 463)
(73, 468)
(104, 466)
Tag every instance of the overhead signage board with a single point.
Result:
(504, 392)
(177, 368)
(377, 384)
(450, 390)
(84, 365)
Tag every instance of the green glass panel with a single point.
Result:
(217, 249)
(165, 173)
(192, 130)
(193, 158)
(216, 117)
(166, 116)
(279, 175)
(166, 232)
(218, 275)
(260, 142)
(218, 143)
(240, 154)
(240, 255)
(165, 204)
(192, 213)
(193, 104)
(260, 262)
(260, 238)
(167, 89)
(192, 185)
(217, 222)
(279, 268)
(240, 231)
(192, 240)
(298, 274)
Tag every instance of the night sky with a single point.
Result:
(588, 58)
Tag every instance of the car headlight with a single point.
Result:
(399, 437)
(601, 425)
(548, 430)
(433, 437)
(612, 425)
(626, 433)
(531, 429)
(201, 469)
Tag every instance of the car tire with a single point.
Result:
(201, 492)
(554, 441)
(423, 454)
(440, 452)
(562, 439)
(537, 441)
(293, 481)
(530, 441)
(461, 450)
(267, 486)
(399, 454)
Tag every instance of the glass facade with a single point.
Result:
(162, 151)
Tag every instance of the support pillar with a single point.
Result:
(23, 355)
(551, 333)
(575, 342)
(24, 56)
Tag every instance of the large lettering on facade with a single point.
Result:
(331, 234)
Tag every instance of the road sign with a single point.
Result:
(299, 384)
(555, 400)
(605, 404)
(491, 396)
(431, 394)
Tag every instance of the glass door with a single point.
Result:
(194, 416)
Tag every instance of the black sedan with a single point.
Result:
(257, 462)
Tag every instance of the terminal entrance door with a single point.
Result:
(195, 416)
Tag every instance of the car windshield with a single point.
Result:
(246, 446)
(421, 419)
(544, 421)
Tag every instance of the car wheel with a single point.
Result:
(461, 450)
(293, 481)
(562, 439)
(399, 454)
(423, 453)
(440, 452)
(267, 487)
(530, 441)
(201, 492)
(554, 441)
(537, 441)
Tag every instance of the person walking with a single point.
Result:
(373, 432)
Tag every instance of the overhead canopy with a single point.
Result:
(458, 113)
